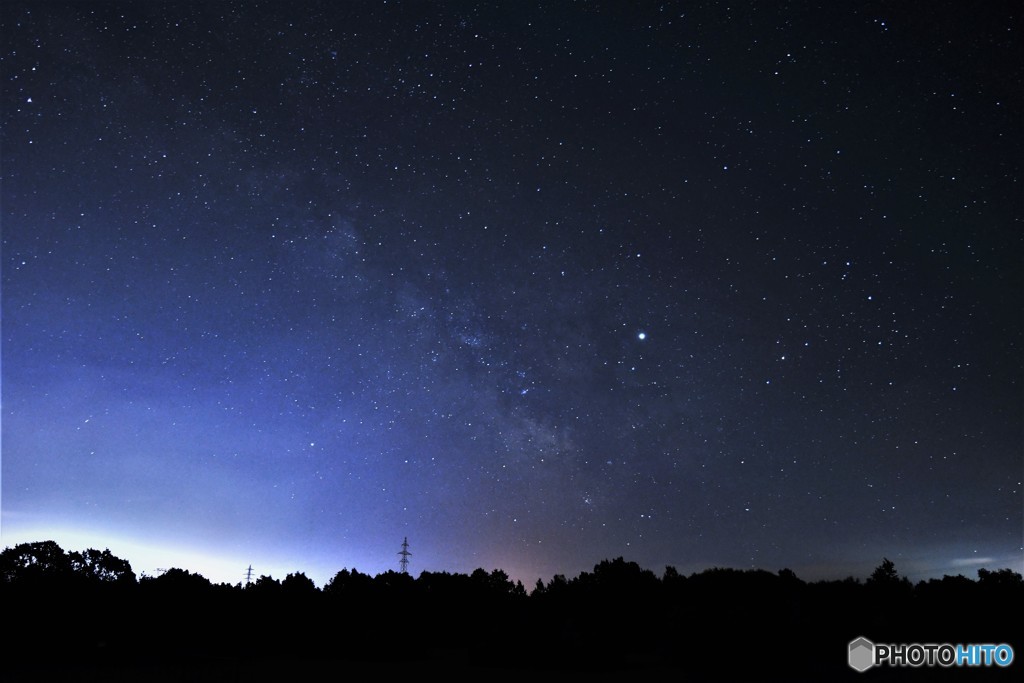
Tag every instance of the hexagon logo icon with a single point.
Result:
(862, 654)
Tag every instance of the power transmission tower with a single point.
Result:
(403, 564)
(248, 575)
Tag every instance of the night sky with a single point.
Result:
(532, 284)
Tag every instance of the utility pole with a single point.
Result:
(403, 564)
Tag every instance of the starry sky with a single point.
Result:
(533, 284)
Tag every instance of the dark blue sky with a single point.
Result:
(534, 285)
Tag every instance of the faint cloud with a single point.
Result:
(971, 561)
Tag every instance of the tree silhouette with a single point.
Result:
(298, 585)
(1001, 577)
(180, 580)
(31, 562)
(886, 583)
(348, 583)
(789, 576)
(557, 586)
(101, 566)
(884, 574)
(616, 618)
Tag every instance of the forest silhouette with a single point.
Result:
(87, 616)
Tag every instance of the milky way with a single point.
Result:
(533, 285)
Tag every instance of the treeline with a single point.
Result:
(88, 611)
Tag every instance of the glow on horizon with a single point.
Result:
(149, 558)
